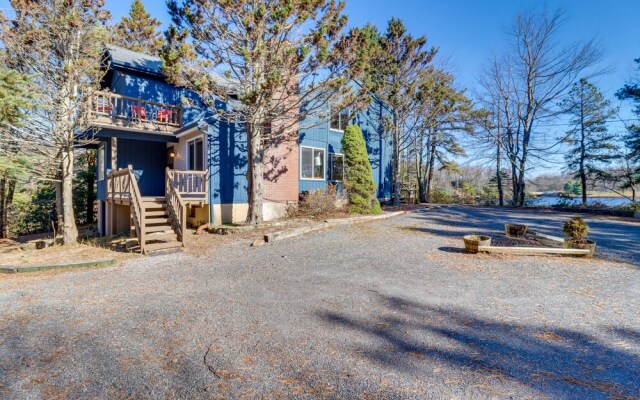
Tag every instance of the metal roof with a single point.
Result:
(132, 60)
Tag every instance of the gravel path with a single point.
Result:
(617, 238)
(390, 309)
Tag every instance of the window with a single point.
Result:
(101, 154)
(195, 155)
(311, 163)
(340, 120)
(336, 167)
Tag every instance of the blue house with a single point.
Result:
(165, 160)
(320, 138)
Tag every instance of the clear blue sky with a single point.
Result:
(468, 31)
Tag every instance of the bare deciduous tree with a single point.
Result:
(60, 43)
(527, 84)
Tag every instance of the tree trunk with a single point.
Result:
(395, 143)
(430, 168)
(59, 201)
(499, 175)
(70, 230)
(8, 203)
(91, 195)
(583, 173)
(3, 214)
(255, 175)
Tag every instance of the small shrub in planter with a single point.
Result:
(515, 231)
(472, 242)
(576, 231)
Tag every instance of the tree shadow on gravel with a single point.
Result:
(413, 338)
(457, 250)
(611, 236)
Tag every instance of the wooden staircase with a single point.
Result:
(158, 223)
(159, 231)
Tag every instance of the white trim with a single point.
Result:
(324, 164)
(190, 167)
(191, 130)
(335, 130)
(127, 129)
(337, 154)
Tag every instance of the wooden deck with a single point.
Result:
(113, 110)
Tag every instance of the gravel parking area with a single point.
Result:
(390, 309)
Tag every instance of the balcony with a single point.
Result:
(114, 110)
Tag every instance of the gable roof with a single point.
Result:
(131, 60)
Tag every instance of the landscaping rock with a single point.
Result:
(230, 230)
(258, 243)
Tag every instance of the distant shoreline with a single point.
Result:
(595, 195)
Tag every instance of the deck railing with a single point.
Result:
(122, 184)
(176, 207)
(114, 109)
(192, 183)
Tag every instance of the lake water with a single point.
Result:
(553, 200)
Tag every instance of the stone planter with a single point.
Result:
(472, 242)
(582, 245)
(515, 231)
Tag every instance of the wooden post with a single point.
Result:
(114, 154)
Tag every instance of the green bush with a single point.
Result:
(467, 194)
(358, 179)
(441, 196)
(576, 229)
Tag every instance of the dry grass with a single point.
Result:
(62, 255)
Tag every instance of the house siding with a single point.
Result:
(180, 148)
(315, 132)
(227, 162)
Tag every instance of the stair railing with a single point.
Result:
(176, 207)
(123, 184)
(137, 208)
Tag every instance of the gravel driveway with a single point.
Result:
(617, 238)
(391, 309)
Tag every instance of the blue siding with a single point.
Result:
(315, 132)
(227, 162)
(157, 90)
(148, 159)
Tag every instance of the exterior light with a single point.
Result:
(172, 154)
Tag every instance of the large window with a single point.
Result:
(336, 167)
(311, 163)
(195, 155)
(339, 119)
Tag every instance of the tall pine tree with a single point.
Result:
(396, 68)
(591, 144)
(631, 91)
(138, 31)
